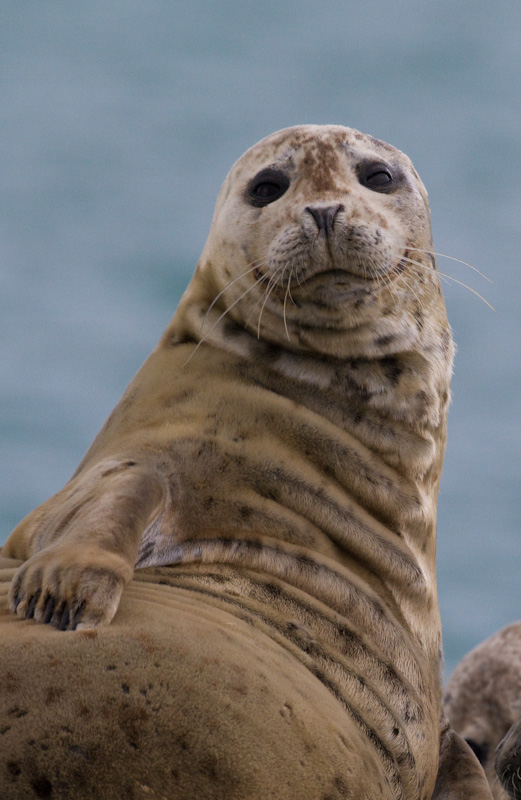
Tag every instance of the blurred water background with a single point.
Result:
(119, 121)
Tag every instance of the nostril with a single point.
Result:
(325, 216)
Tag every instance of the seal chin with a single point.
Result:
(332, 287)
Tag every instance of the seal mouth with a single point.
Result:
(342, 280)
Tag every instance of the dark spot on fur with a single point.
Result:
(125, 688)
(42, 787)
(392, 368)
(69, 517)
(245, 512)
(208, 765)
(445, 341)
(83, 709)
(231, 329)
(79, 751)
(273, 589)
(422, 398)
(340, 785)
(173, 340)
(13, 769)
(17, 712)
(269, 493)
(110, 667)
(146, 551)
(53, 694)
(383, 341)
(412, 716)
(10, 681)
(266, 350)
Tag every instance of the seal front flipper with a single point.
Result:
(460, 775)
(81, 545)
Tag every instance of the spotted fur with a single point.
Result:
(483, 703)
(279, 454)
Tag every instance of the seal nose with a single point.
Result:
(325, 216)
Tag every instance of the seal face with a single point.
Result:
(284, 443)
(310, 240)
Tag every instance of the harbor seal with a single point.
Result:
(483, 703)
(507, 761)
(270, 480)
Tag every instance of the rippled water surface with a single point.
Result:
(119, 122)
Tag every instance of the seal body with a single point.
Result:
(279, 455)
(483, 703)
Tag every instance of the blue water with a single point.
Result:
(118, 123)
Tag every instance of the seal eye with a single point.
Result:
(267, 186)
(378, 177)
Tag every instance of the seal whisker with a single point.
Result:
(270, 285)
(226, 311)
(253, 266)
(263, 299)
(419, 265)
(406, 280)
(386, 281)
(384, 278)
(452, 258)
(269, 289)
(390, 278)
(289, 283)
(288, 292)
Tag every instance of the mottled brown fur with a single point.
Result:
(277, 459)
(483, 703)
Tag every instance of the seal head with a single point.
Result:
(321, 242)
